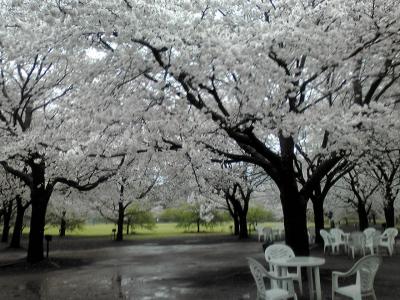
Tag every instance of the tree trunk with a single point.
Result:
(6, 222)
(294, 205)
(295, 220)
(120, 222)
(236, 226)
(63, 227)
(36, 233)
(318, 209)
(19, 222)
(39, 201)
(243, 233)
(389, 214)
(198, 225)
(362, 217)
(233, 213)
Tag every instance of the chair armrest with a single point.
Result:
(335, 280)
(343, 274)
(337, 274)
(384, 239)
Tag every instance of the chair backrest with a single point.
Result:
(366, 269)
(259, 229)
(326, 236)
(376, 238)
(258, 272)
(357, 239)
(277, 251)
(369, 233)
(267, 231)
(336, 234)
(390, 233)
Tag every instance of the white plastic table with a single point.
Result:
(311, 263)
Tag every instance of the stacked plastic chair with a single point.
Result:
(274, 293)
(281, 251)
(356, 242)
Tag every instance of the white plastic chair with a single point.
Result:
(274, 293)
(369, 238)
(281, 251)
(376, 239)
(365, 269)
(356, 242)
(260, 232)
(388, 239)
(267, 232)
(328, 240)
(339, 239)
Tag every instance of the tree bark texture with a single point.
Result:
(63, 225)
(233, 213)
(389, 214)
(318, 209)
(6, 222)
(120, 221)
(39, 201)
(19, 222)
(362, 216)
(243, 232)
(239, 217)
(295, 220)
(36, 233)
(388, 209)
(236, 225)
(198, 225)
(293, 203)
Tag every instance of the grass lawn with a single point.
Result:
(160, 230)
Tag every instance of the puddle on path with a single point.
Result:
(140, 273)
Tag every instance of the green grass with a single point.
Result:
(160, 230)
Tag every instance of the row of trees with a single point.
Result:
(299, 91)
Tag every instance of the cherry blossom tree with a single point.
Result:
(386, 170)
(132, 185)
(68, 209)
(253, 83)
(46, 135)
(236, 184)
(14, 203)
(242, 80)
(357, 192)
(22, 204)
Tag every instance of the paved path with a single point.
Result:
(189, 270)
(148, 271)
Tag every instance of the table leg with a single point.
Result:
(277, 271)
(284, 271)
(310, 283)
(317, 283)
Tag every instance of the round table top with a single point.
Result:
(299, 261)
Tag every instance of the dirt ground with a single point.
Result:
(211, 267)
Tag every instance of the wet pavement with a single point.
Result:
(147, 271)
(189, 269)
